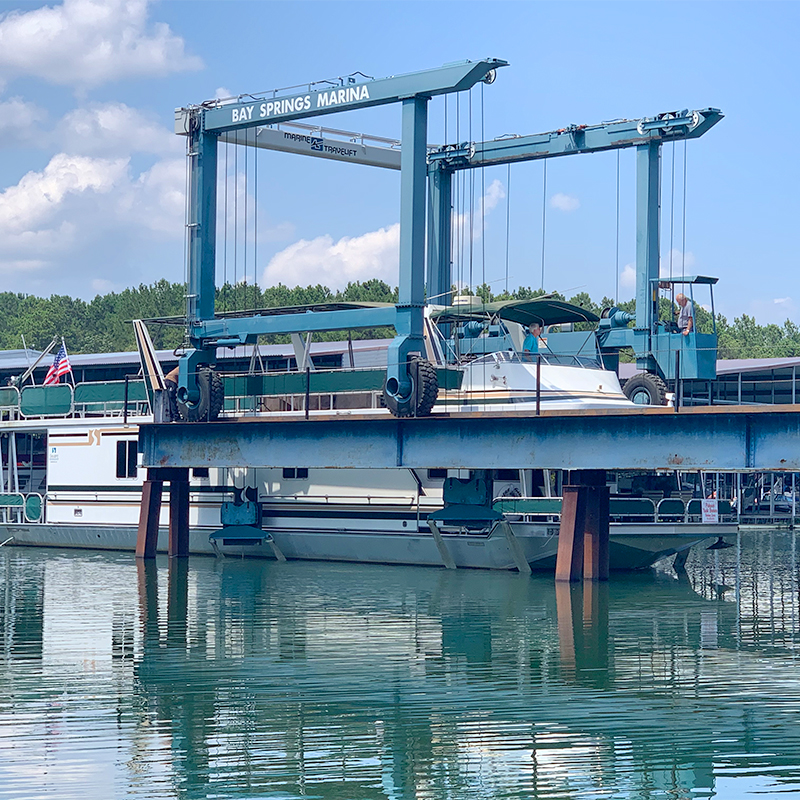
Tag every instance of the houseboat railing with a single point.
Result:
(95, 399)
(621, 509)
(18, 507)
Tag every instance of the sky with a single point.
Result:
(92, 177)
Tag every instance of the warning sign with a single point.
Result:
(710, 511)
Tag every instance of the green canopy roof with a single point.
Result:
(545, 311)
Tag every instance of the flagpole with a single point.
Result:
(66, 355)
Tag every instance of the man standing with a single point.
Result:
(685, 315)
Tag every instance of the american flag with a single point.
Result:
(61, 366)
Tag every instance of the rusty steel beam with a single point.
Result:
(729, 439)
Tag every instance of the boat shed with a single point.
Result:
(360, 354)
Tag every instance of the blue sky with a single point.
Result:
(92, 177)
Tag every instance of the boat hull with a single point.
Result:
(632, 546)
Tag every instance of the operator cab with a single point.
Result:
(691, 355)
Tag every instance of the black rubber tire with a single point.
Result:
(646, 389)
(212, 397)
(424, 391)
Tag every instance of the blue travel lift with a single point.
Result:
(659, 350)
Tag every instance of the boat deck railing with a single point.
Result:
(91, 399)
(18, 507)
(621, 509)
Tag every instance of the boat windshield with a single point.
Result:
(509, 357)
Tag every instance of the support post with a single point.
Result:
(149, 513)
(179, 513)
(569, 561)
(595, 551)
(583, 535)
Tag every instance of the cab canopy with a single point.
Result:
(544, 311)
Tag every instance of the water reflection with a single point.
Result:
(230, 679)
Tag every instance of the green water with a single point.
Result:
(232, 679)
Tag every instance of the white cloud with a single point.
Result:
(109, 129)
(485, 205)
(783, 301)
(359, 258)
(334, 264)
(79, 204)
(86, 43)
(36, 199)
(156, 200)
(627, 277)
(14, 267)
(19, 121)
(680, 263)
(565, 202)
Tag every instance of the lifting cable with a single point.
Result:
(244, 242)
(255, 223)
(544, 213)
(225, 253)
(508, 218)
(483, 196)
(616, 268)
(471, 198)
(683, 243)
(672, 213)
(483, 223)
(235, 214)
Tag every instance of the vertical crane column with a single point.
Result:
(440, 225)
(648, 208)
(411, 302)
(202, 231)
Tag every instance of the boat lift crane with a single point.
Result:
(655, 347)
(205, 124)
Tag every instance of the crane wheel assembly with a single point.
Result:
(646, 389)
(212, 396)
(423, 394)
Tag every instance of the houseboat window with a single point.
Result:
(200, 472)
(506, 475)
(126, 458)
(295, 473)
(434, 474)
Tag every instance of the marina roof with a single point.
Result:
(11, 360)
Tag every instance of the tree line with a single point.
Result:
(103, 325)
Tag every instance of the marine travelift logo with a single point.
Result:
(291, 105)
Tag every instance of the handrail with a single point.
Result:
(18, 502)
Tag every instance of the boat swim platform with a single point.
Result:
(715, 438)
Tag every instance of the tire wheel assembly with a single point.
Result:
(209, 404)
(423, 394)
(646, 390)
